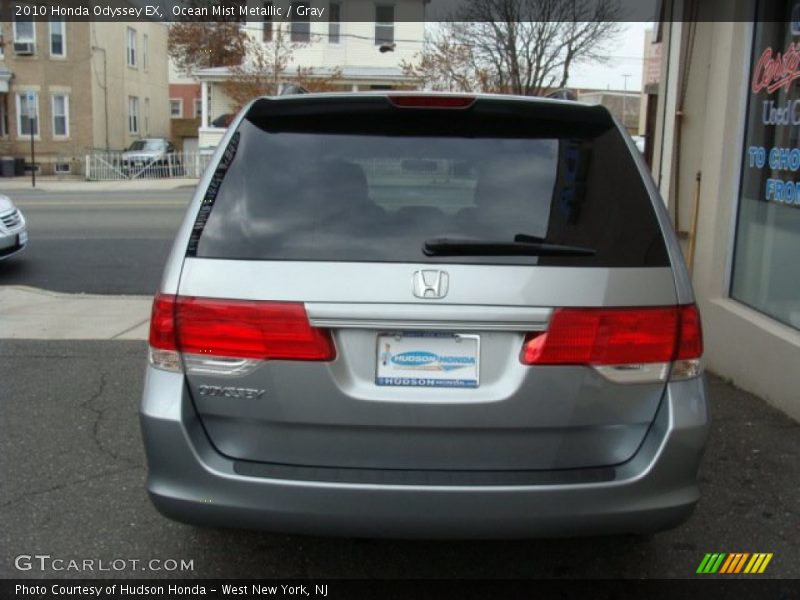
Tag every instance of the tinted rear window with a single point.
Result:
(298, 189)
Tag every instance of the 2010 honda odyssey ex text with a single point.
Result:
(420, 315)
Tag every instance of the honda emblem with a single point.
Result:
(431, 284)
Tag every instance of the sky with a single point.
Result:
(627, 56)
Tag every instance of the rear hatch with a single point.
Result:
(387, 283)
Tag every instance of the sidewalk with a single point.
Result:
(75, 184)
(35, 314)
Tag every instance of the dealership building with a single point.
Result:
(726, 156)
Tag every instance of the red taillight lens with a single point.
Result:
(615, 336)
(690, 342)
(162, 323)
(432, 101)
(238, 329)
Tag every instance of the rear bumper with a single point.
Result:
(189, 481)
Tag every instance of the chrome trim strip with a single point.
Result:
(428, 317)
(427, 325)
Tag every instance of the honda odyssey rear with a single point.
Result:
(425, 316)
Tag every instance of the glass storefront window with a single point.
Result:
(766, 266)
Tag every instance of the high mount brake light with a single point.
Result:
(432, 101)
(616, 336)
(237, 329)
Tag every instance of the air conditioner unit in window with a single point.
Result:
(23, 48)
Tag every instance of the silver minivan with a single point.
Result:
(422, 315)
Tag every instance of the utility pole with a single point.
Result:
(625, 99)
(105, 88)
(30, 101)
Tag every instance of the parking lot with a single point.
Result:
(74, 475)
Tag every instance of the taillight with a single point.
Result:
(163, 349)
(432, 101)
(237, 329)
(690, 339)
(690, 344)
(619, 338)
(162, 323)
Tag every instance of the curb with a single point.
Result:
(76, 185)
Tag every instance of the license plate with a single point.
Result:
(428, 360)
(22, 238)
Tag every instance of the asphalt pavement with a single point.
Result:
(73, 488)
(99, 241)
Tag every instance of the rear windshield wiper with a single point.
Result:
(522, 245)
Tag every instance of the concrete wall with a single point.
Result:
(624, 106)
(122, 81)
(757, 353)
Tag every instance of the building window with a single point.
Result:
(131, 47)
(24, 30)
(58, 38)
(2, 41)
(147, 116)
(384, 24)
(133, 114)
(145, 52)
(60, 115)
(300, 27)
(198, 108)
(28, 113)
(63, 168)
(334, 22)
(766, 269)
(175, 108)
(266, 31)
(3, 117)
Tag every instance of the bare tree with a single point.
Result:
(197, 44)
(519, 46)
(266, 68)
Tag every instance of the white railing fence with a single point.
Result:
(110, 166)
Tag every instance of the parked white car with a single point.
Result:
(13, 230)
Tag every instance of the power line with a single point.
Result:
(260, 28)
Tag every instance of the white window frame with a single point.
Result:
(305, 24)
(32, 39)
(145, 52)
(65, 135)
(385, 24)
(741, 135)
(180, 108)
(198, 108)
(2, 42)
(146, 117)
(133, 115)
(63, 24)
(130, 47)
(18, 97)
(337, 24)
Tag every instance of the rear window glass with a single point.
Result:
(332, 195)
